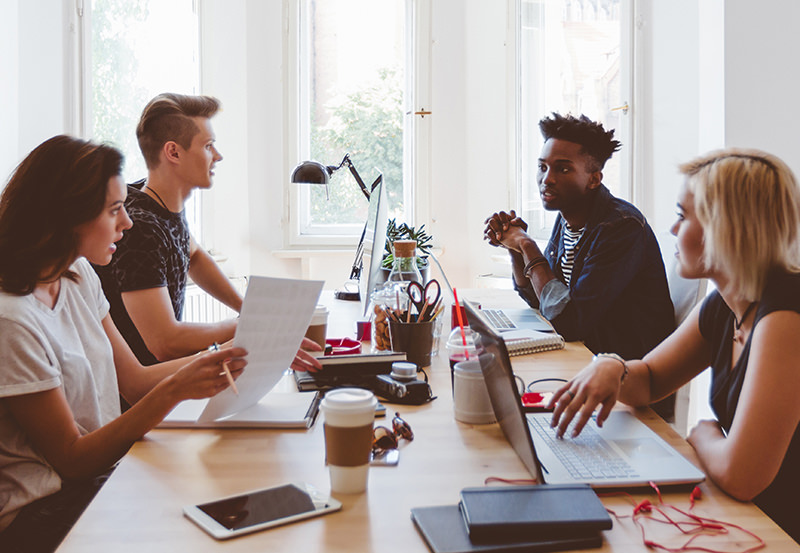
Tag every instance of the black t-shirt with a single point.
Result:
(153, 253)
(781, 293)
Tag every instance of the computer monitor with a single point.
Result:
(373, 241)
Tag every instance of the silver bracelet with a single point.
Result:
(615, 357)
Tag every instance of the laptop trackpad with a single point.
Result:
(637, 448)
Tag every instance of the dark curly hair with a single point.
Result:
(59, 186)
(595, 141)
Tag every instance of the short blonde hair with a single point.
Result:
(168, 117)
(748, 202)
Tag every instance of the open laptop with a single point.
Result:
(505, 320)
(625, 452)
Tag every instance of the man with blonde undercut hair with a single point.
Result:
(146, 279)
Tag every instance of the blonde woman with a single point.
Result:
(738, 224)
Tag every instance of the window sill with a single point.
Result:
(307, 253)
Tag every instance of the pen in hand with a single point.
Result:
(215, 347)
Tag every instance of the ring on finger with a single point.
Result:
(571, 394)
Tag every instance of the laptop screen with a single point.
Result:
(500, 382)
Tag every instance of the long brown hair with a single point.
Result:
(59, 186)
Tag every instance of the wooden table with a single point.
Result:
(140, 508)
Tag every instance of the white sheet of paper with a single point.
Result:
(275, 316)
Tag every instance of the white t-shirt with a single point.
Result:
(41, 349)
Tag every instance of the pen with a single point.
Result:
(437, 312)
(215, 347)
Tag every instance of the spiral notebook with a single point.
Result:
(525, 341)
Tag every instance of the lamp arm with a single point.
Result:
(359, 180)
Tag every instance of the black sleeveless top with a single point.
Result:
(781, 293)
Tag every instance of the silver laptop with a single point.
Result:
(624, 452)
(504, 320)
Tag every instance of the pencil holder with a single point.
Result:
(415, 339)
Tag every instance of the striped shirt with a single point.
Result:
(571, 239)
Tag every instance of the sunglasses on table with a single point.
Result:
(383, 438)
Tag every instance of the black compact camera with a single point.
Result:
(413, 392)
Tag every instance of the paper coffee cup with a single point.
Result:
(349, 414)
(471, 401)
(318, 328)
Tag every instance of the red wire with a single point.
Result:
(696, 526)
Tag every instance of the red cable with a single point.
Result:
(696, 526)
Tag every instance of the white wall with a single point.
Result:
(224, 55)
(9, 94)
(471, 126)
(668, 33)
(34, 42)
(762, 84)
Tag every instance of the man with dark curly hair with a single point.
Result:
(601, 277)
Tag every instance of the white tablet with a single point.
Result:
(260, 509)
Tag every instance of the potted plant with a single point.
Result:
(405, 232)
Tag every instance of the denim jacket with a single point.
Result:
(618, 300)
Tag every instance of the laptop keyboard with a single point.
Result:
(586, 457)
(499, 319)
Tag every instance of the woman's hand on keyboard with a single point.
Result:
(597, 384)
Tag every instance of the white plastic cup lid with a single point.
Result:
(320, 315)
(345, 400)
(456, 341)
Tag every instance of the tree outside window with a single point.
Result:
(355, 82)
(139, 48)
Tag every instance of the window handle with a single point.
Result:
(624, 107)
(422, 113)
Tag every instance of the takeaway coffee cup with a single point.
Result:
(471, 401)
(318, 328)
(349, 414)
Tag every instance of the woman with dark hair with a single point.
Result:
(63, 364)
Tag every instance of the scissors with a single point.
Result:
(421, 296)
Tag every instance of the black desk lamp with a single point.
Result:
(313, 172)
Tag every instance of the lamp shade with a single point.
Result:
(310, 172)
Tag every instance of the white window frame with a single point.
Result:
(416, 131)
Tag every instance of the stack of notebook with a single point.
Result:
(515, 520)
(347, 370)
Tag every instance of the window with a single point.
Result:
(354, 95)
(134, 50)
(572, 57)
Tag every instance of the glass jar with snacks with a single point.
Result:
(384, 305)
